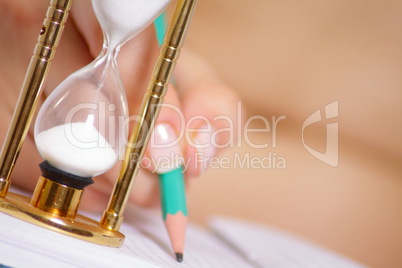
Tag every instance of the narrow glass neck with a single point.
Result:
(109, 52)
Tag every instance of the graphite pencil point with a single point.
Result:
(179, 257)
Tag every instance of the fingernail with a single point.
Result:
(164, 149)
(203, 144)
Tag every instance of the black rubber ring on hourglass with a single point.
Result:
(64, 178)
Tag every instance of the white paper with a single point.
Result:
(146, 245)
(266, 247)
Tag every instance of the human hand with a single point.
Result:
(200, 96)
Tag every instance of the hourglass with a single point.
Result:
(78, 131)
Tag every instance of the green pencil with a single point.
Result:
(171, 184)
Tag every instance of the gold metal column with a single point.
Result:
(151, 104)
(56, 198)
(35, 77)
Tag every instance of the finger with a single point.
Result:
(136, 61)
(20, 25)
(87, 24)
(145, 191)
(164, 151)
(94, 200)
(211, 110)
(163, 148)
(72, 54)
(26, 171)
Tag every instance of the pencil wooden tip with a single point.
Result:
(179, 257)
(176, 228)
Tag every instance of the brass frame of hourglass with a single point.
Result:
(54, 206)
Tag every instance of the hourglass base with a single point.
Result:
(81, 227)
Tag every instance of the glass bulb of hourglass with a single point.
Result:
(122, 20)
(79, 127)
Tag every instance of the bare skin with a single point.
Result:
(81, 43)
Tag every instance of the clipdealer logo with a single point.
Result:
(270, 160)
(331, 154)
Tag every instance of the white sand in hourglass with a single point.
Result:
(76, 147)
(123, 19)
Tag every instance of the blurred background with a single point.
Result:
(288, 59)
(292, 58)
